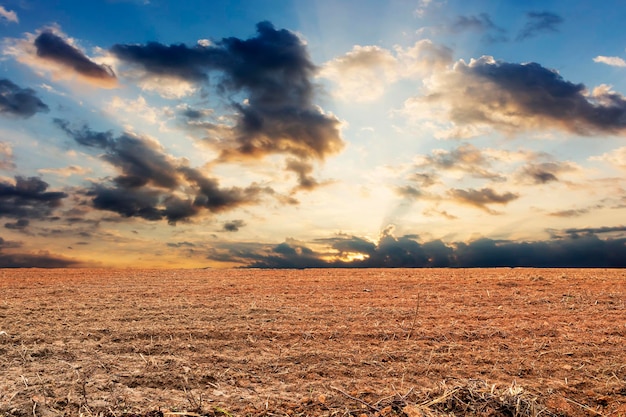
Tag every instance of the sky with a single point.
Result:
(295, 134)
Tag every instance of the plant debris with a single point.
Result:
(441, 342)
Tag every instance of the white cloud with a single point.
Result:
(65, 172)
(613, 61)
(9, 15)
(616, 158)
(364, 73)
(166, 87)
(422, 6)
(128, 110)
(6, 156)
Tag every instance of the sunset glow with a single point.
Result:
(297, 134)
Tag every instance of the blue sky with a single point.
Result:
(312, 134)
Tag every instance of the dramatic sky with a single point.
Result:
(288, 133)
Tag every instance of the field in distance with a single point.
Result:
(333, 342)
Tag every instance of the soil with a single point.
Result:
(406, 342)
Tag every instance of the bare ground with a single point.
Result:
(407, 342)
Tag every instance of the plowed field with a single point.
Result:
(407, 342)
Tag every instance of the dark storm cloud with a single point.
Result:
(146, 203)
(274, 70)
(19, 102)
(38, 260)
(482, 198)
(28, 198)
(210, 196)
(290, 255)
(539, 23)
(6, 244)
(151, 182)
(586, 251)
(141, 160)
(350, 244)
(128, 203)
(54, 48)
(18, 225)
(595, 230)
(233, 225)
(407, 252)
(181, 61)
(11, 259)
(181, 245)
(515, 97)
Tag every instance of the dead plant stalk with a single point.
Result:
(417, 306)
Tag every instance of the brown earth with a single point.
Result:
(407, 342)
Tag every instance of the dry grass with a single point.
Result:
(316, 342)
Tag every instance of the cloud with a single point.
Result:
(370, 66)
(518, 97)
(569, 213)
(54, 48)
(28, 198)
(482, 198)
(152, 184)
(275, 72)
(616, 158)
(177, 61)
(8, 15)
(613, 61)
(6, 156)
(303, 170)
(65, 172)
(129, 111)
(18, 225)
(42, 259)
(19, 102)
(478, 23)
(181, 244)
(233, 225)
(364, 73)
(538, 23)
(465, 158)
(85, 136)
(481, 23)
(587, 251)
(195, 114)
(409, 192)
(544, 172)
(209, 195)
(51, 51)
(422, 6)
(424, 179)
(595, 230)
(345, 251)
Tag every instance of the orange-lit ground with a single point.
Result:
(286, 342)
